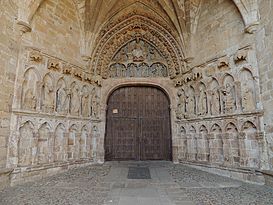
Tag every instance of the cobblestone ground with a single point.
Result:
(98, 185)
(208, 189)
(81, 186)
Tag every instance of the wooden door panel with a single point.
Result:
(138, 125)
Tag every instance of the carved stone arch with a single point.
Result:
(192, 129)
(203, 129)
(182, 130)
(214, 83)
(227, 78)
(248, 125)
(215, 128)
(129, 29)
(231, 127)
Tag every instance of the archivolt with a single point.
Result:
(113, 38)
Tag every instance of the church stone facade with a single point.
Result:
(61, 60)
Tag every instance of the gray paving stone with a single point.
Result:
(108, 185)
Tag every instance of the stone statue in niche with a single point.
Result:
(131, 70)
(248, 99)
(138, 53)
(181, 105)
(95, 109)
(48, 95)
(202, 102)
(95, 104)
(229, 98)
(190, 105)
(30, 100)
(215, 102)
(62, 101)
(144, 70)
(29, 94)
(75, 101)
(25, 145)
(85, 103)
(247, 91)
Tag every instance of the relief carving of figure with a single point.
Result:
(248, 100)
(85, 104)
(30, 100)
(95, 106)
(48, 97)
(181, 105)
(62, 103)
(138, 53)
(229, 98)
(202, 102)
(75, 101)
(190, 105)
(215, 103)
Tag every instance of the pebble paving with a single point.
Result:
(91, 186)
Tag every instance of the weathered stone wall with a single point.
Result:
(55, 109)
(264, 45)
(220, 28)
(8, 56)
(56, 30)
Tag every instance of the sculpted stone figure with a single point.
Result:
(75, 101)
(62, 103)
(215, 103)
(48, 97)
(202, 102)
(30, 100)
(85, 105)
(229, 98)
(190, 105)
(95, 106)
(181, 105)
(248, 100)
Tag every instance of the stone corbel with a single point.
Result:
(86, 58)
(24, 26)
(252, 28)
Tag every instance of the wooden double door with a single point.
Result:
(138, 125)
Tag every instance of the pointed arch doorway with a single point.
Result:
(138, 124)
